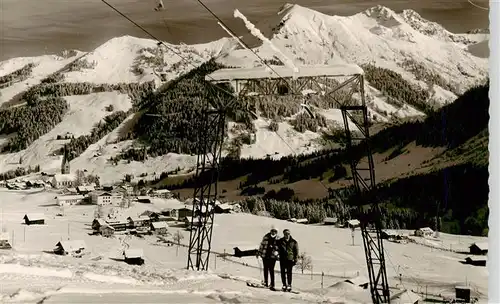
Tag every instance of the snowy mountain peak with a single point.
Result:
(380, 12)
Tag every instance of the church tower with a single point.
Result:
(65, 162)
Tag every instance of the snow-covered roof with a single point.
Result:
(353, 222)
(106, 225)
(133, 253)
(284, 71)
(405, 297)
(359, 280)
(143, 197)
(65, 177)
(226, 206)
(35, 216)
(159, 191)
(85, 188)
(100, 221)
(139, 218)
(72, 245)
(330, 220)
(482, 245)
(4, 236)
(477, 258)
(426, 229)
(157, 225)
(70, 197)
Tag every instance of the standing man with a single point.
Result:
(268, 250)
(288, 253)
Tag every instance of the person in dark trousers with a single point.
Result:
(268, 250)
(288, 254)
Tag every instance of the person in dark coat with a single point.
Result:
(288, 254)
(268, 251)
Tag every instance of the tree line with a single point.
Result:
(29, 122)
(17, 75)
(451, 200)
(438, 129)
(136, 91)
(78, 145)
(394, 85)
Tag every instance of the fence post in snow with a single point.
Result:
(224, 257)
(322, 276)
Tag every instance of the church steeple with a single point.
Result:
(65, 162)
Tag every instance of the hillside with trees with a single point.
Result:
(441, 193)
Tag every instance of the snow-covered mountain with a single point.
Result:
(422, 52)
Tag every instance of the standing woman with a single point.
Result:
(268, 250)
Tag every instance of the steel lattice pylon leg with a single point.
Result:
(373, 245)
(205, 193)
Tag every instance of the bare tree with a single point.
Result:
(80, 178)
(99, 212)
(304, 262)
(178, 237)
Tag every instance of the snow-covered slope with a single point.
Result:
(29, 274)
(379, 36)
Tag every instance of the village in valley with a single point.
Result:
(114, 213)
(123, 210)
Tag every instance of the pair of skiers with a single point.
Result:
(286, 250)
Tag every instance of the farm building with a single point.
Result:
(106, 230)
(393, 235)
(134, 256)
(85, 189)
(360, 281)
(34, 219)
(183, 213)
(423, 232)
(153, 216)
(302, 221)
(203, 210)
(224, 208)
(353, 224)
(75, 247)
(106, 198)
(476, 260)
(64, 180)
(330, 221)
(159, 227)
(169, 215)
(187, 222)
(64, 200)
(118, 226)
(138, 221)
(97, 223)
(161, 193)
(5, 241)
(405, 297)
(144, 199)
(479, 248)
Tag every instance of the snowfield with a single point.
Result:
(301, 36)
(29, 272)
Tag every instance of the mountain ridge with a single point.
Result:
(147, 62)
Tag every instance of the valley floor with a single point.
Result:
(29, 273)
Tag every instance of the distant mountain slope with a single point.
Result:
(454, 135)
(412, 66)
